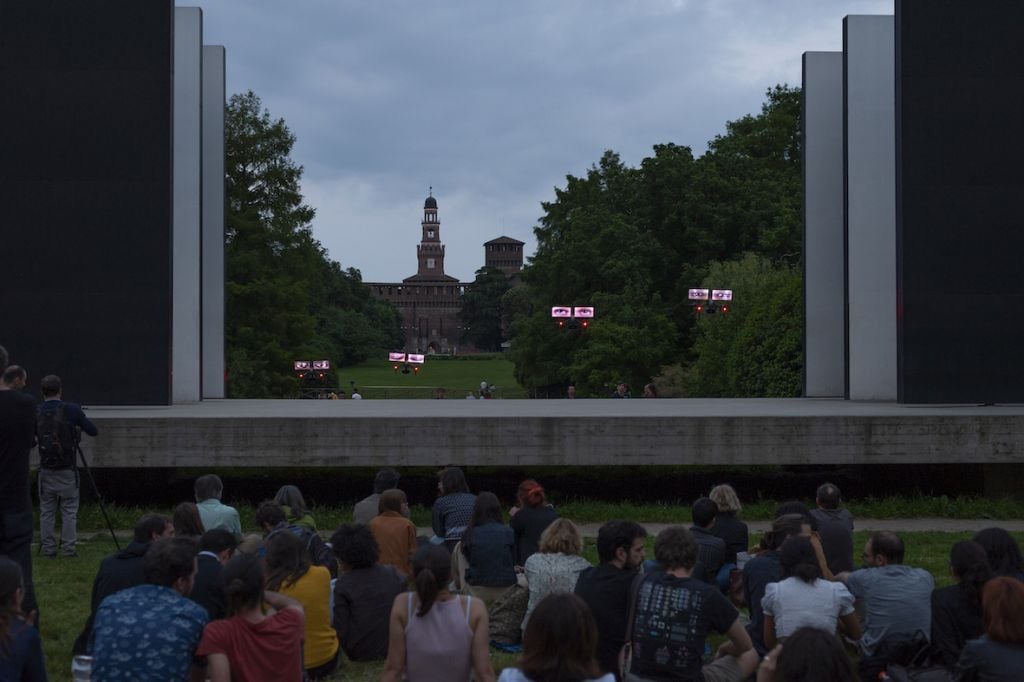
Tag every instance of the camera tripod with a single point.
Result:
(96, 492)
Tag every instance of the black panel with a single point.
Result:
(959, 185)
(85, 191)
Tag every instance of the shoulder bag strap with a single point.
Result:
(627, 650)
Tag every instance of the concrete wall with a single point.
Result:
(551, 432)
(824, 322)
(870, 185)
(213, 222)
(186, 344)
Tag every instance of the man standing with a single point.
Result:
(58, 426)
(710, 548)
(674, 613)
(606, 587)
(212, 512)
(897, 604)
(150, 632)
(17, 435)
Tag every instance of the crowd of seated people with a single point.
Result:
(192, 598)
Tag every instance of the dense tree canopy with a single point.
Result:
(632, 241)
(286, 299)
(483, 309)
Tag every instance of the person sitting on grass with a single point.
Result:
(802, 598)
(271, 519)
(216, 547)
(998, 655)
(559, 645)
(123, 569)
(897, 605)
(212, 512)
(21, 650)
(293, 504)
(368, 508)
(557, 566)
(956, 609)
(150, 631)
(531, 515)
(834, 527)
(728, 527)
(289, 572)
(810, 655)
(394, 533)
(673, 615)
(1003, 552)
(250, 644)
(605, 588)
(453, 509)
(363, 593)
(436, 636)
(765, 568)
(710, 548)
(490, 549)
(186, 521)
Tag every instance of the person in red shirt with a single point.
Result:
(251, 645)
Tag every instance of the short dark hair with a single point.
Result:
(3, 358)
(703, 512)
(614, 534)
(13, 373)
(148, 526)
(169, 559)
(813, 654)
(797, 507)
(269, 513)
(354, 544)
(798, 559)
(828, 496)
(386, 479)
(783, 527)
(452, 481)
(675, 548)
(208, 486)
(243, 582)
(560, 640)
(216, 540)
(50, 385)
(889, 545)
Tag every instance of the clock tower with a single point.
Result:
(430, 251)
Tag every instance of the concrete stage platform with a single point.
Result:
(268, 433)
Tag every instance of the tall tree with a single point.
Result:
(285, 299)
(482, 314)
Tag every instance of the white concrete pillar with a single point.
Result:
(213, 222)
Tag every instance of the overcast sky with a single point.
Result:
(494, 103)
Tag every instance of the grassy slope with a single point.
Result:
(458, 375)
(64, 587)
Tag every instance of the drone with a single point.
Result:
(572, 317)
(711, 301)
(407, 361)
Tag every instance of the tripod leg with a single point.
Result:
(96, 492)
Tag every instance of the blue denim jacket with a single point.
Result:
(492, 556)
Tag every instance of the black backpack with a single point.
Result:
(56, 438)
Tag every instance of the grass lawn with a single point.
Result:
(458, 375)
(64, 586)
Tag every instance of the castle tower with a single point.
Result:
(505, 254)
(430, 252)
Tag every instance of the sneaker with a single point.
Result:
(72, 555)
